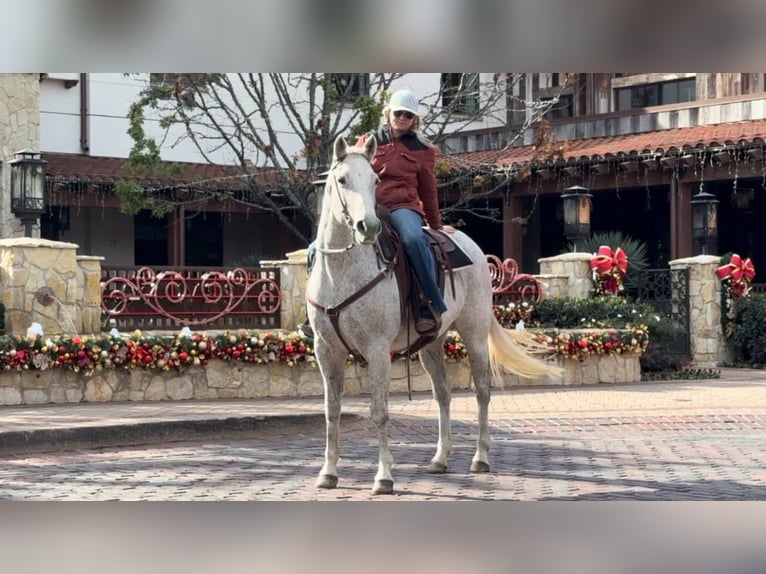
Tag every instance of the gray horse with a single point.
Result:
(354, 304)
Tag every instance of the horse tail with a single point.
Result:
(516, 352)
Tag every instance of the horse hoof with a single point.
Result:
(327, 481)
(437, 467)
(479, 466)
(383, 486)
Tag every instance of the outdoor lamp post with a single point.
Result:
(577, 204)
(28, 187)
(704, 219)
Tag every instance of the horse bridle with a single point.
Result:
(346, 215)
(334, 312)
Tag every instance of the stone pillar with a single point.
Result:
(566, 275)
(293, 284)
(41, 282)
(89, 292)
(19, 129)
(706, 334)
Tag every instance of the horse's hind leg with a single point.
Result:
(432, 358)
(332, 378)
(478, 355)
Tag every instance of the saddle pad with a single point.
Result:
(457, 256)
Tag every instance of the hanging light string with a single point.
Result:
(202, 185)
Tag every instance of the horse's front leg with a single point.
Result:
(379, 378)
(333, 372)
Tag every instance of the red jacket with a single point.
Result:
(407, 177)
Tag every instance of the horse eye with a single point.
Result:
(342, 180)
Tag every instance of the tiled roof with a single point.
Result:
(656, 142)
(85, 168)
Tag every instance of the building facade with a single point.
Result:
(644, 145)
(84, 137)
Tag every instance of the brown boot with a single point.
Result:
(428, 322)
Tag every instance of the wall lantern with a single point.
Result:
(28, 188)
(704, 219)
(577, 205)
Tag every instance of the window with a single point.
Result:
(150, 243)
(564, 108)
(517, 105)
(659, 94)
(460, 93)
(349, 87)
(206, 248)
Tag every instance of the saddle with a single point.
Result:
(447, 255)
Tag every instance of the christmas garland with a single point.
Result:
(91, 354)
(581, 345)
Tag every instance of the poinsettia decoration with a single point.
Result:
(609, 269)
(736, 274)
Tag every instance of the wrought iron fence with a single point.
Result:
(510, 286)
(667, 290)
(165, 298)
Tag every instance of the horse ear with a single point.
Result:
(339, 148)
(370, 146)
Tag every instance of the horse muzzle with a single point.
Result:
(367, 230)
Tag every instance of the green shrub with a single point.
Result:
(749, 337)
(2, 319)
(619, 313)
(603, 312)
(658, 359)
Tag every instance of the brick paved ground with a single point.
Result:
(696, 440)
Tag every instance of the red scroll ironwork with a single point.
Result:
(146, 298)
(508, 285)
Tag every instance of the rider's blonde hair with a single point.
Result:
(415, 129)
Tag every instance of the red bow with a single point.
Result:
(737, 270)
(605, 261)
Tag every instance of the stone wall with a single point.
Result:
(45, 282)
(566, 275)
(19, 130)
(230, 380)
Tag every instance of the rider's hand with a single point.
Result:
(448, 229)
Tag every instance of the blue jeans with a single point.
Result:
(409, 225)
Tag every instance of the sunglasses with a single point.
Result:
(407, 115)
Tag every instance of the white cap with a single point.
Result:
(403, 100)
